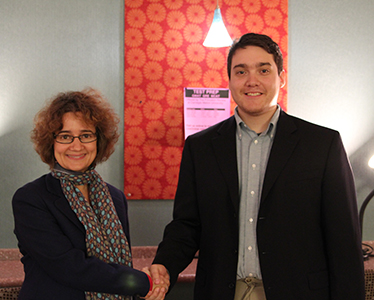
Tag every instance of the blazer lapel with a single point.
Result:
(224, 146)
(54, 187)
(286, 138)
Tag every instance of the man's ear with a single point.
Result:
(282, 77)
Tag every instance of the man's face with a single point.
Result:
(255, 82)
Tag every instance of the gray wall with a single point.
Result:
(331, 72)
(50, 46)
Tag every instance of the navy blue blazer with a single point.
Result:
(52, 241)
(307, 230)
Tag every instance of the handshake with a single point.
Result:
(161, 282)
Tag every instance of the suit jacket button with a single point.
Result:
(231, 285)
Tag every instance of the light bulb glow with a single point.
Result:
(217, 35)
(371, 162)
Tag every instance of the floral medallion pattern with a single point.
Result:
(164, 53)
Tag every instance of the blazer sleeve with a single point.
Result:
(341, 226)
(52, 243)
(182, 235)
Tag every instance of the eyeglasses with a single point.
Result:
(64, 138)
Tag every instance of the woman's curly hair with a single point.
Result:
(95, 110)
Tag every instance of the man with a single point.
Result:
(267, 199)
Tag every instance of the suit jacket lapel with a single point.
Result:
(224, 146)
(286, 138)
(60, 201)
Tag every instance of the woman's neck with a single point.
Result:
(84, 190)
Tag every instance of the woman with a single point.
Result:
(71, 226)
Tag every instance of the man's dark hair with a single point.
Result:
(259, 40)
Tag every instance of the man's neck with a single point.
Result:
(259, 123)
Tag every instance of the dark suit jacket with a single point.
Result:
(307, 231)
(52, 240)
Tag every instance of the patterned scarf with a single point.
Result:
(105, 238)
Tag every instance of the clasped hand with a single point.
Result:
(161, 282)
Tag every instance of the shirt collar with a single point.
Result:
(271, 127)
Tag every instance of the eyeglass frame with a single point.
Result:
(75, 137)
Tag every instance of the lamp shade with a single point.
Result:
(217, 35)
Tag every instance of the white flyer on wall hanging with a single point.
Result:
(204, 107)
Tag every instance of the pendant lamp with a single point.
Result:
(217, 35)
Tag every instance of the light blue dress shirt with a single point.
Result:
(252, 156)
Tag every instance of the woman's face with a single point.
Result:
(76, 156)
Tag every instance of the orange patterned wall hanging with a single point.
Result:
(164, 53)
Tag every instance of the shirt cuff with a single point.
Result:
(150, 283)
